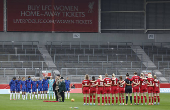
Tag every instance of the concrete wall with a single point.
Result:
(137, 39)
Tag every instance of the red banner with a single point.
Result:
(1, 14)
(53, 15)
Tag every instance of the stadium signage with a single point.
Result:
(53, 15)
(1, 15)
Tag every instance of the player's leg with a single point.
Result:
(66, 94)
(120, 98)
(19, 94)
(26, 93)
(103, 98)
(134, 97)
(145, 98)
(106, 98)
(138, 96)
(116, 98)
(46, 94)
(33, 94)
(87, 98)
(14, 95)
(84, 99)
(152, 97)
(141, 93)
(131, 98)
(149, 98)
(94, 98)
(126, 99)
(30, 93)
(109, 98)
(158, 97)
(43, 94)
(123, 99)
(91, 97)
(98, 98)
(54, 94)
(11, 95)
(112, 98)
(49, 92)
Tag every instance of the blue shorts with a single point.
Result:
(23, 89)
(28, 90)
(67, 89)
(40, 89)
(45, 88)
(12, 89)
(34, 89)
(18, 89)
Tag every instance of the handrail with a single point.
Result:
(101, 66)
(96, 69)
(153, 43)
(163, 62)
(91, 55)
(32, 63)
(22, 43)
(89, 43)
(162, 56)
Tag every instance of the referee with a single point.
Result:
(128, 89)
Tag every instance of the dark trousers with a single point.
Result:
(56, 95)
(62, 95)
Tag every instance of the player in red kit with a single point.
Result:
(114, 89)
(85, 87)
(121, 89)
(156, 90)
(136, 83)
(100, 83)
(143, 88)
(107, 83)
(150, 88)
(93, 90)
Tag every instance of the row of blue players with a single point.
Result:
(15, 88)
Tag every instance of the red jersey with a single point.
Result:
(135, 79)
(156, 85)
(143, 83)
(100, 83)
(114, 82)
(150, 80)
(86, 82)
(121, 86)
(92, 83)
(107, 81)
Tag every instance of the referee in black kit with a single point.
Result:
(128, 89)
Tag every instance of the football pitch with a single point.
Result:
(6, 104)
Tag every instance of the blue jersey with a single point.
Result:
(67, 83)
(34, 84)
(45, 83)
(12, 84)
(28, 83)
(39, 84)
(18, 83)
(23, 83)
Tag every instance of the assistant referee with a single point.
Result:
(128, 89)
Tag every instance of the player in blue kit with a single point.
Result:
(23, 83)
(28, 87)
(40, 89)
(67, 83)
(12, 88)
(45, 87)
(18, 88)
(50, 82)
(34, 88)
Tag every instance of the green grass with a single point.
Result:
(6, 104)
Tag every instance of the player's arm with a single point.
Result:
(148, 83)
(130, 79)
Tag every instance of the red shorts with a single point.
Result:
(136, 89)
(156, 90)
(107, 90)
(150, 90)
(92, 90)
(121, 90)
(85, 90)
(100, 90)
(142, 90)
(114, 90)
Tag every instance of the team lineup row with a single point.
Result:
(114, 86)
(31, 86)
